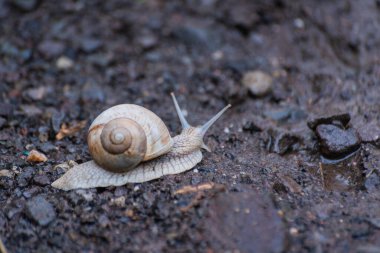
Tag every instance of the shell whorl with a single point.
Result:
(124, 135)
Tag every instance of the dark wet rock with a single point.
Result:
(370, 133)
(2, 122)
(47, 147)
(195, 37)
(337, 119)
(344, 174)
(51, 48)
(244, 222)
(92, 92)
(56, 120)
(6, 109)
(40, 210)
(41, 180)
(335, 141)
(90, 45)
(251, 127)
(25, 176)
(25, 5)
(282, 142)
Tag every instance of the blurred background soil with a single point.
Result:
(295, 162)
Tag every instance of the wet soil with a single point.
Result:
(62, 63)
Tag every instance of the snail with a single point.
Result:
(131, 144)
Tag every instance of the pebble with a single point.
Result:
(36, 157)
(335, 142)
(337, 119)
(283, 142)
(147, 41)
(25, 5)
(40, 210)
(51, 48)
(244, 222)
(36, 93)
(30, 110)
(64, 63)
(90, 45)
(195, 37)
(2, 122)
(47, 147)
(370, 133)
(6, 173)
(41, 180)
(6, 109)
(92, 92)
(258, 82)
(25, 176)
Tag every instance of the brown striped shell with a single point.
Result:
(124, 135)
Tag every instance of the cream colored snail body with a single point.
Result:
(130, 144)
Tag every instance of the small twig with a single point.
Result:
(322, 176)
(370, 173)
(194, 202)
(2, 247)
(191, 189)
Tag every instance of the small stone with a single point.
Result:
(335, 141)
(120, 201)
(40, 210)
(251, 127)
(25, 176)
(195, 37)
(2, 122)
(6, 173)
(56, 120)
(92, 92)
(36, 157)
(30, 110)
(51, 48)
(147, 41)
(47, 147)
(42, 180)
(64, 63)
(337, 119)
(25, 5)
(6, 109)
(36, 93)
(257, 82)
(370, 133)
(90, 45)
(283, 142)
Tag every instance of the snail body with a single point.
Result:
(131, 144)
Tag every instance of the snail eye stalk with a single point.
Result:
(182, 118)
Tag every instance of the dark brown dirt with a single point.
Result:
(62, 62)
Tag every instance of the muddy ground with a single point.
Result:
(270, 184)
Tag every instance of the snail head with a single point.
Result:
(197, 132)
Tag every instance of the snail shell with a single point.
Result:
(124, 135)
(130, 144)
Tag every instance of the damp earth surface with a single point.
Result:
(295, 162)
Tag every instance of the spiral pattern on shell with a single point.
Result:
(125, 135)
